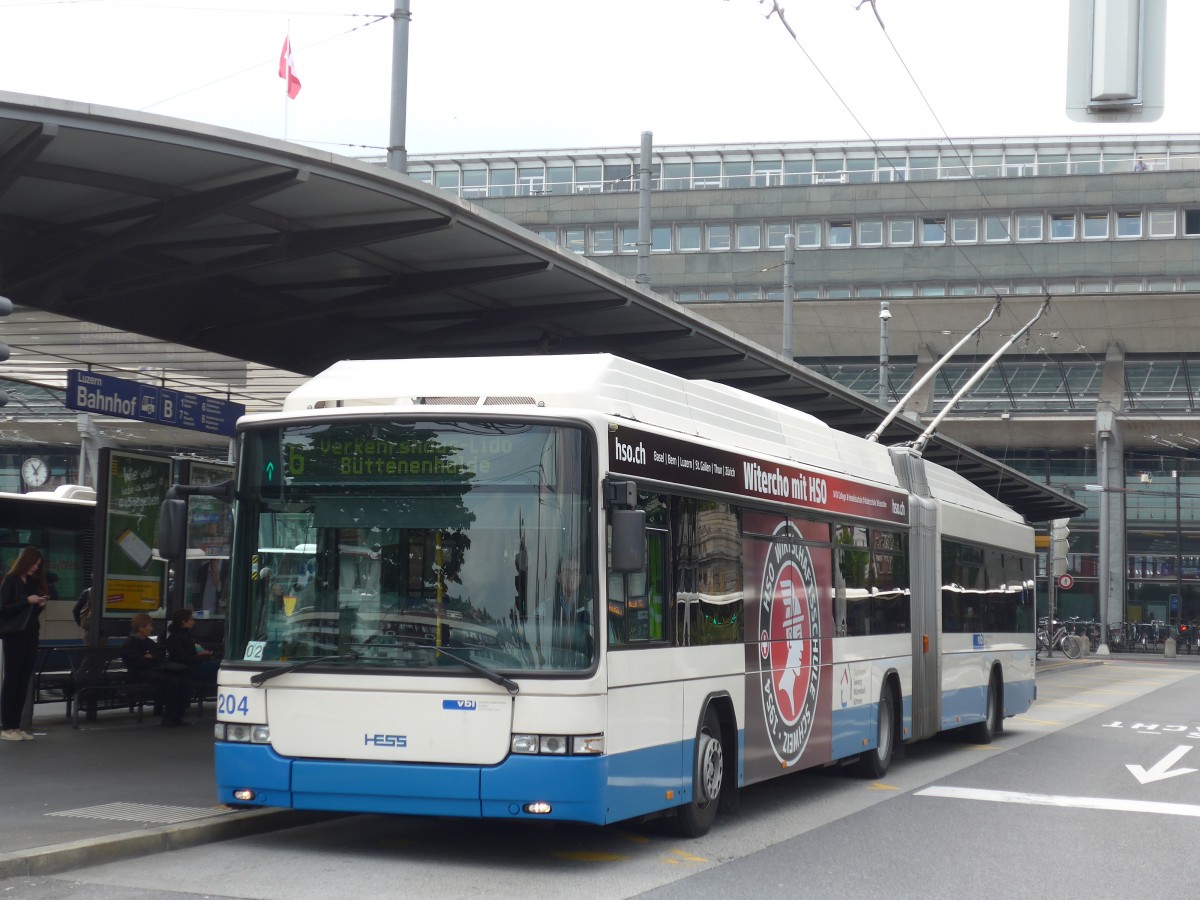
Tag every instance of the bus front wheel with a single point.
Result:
(696, 816)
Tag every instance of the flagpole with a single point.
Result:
(287, 41)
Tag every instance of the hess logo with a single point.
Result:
(385, 740)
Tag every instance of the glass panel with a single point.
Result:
(720, 237)
(687, 296)
(660, 238)
(446, 180)
(933, 230)
(707, 175)
(965, 230)
(1129, 224)
(987, 165)
(573, 240)
(860, 171)
(870, 232)
(748, 294)
(797, 171)
(922, 168)
(737, 175)
(808, 234)
(1029, 227)
(838, 293)
(504, 182)
(588, 179)
(449, 509)
(677, 176)
(900, 231)
(629, 239)
(1052, 164)
(1062, 226)
(1162, 223)
(1191, 222)
(749, 236)
(777, 233)
(560, 179)
(688, 237)
(839, 234)
(996, 228)
(602, 240)
(1095, 225)
(619, 177)
(718, 295)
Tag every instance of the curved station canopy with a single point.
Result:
(232, 263)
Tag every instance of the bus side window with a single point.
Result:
(636, 600)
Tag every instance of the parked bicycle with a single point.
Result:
(1070, 645)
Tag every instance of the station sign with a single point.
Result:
(110, 396)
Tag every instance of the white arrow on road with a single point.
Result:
(1161, 769)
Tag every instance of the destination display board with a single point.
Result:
(108, 395)
(647, 455)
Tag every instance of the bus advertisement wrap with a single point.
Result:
(789, 641)
(646, 455)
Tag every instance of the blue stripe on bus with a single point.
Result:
(597, 789)
(966, 705)
(850, 726)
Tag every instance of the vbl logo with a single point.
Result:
(459, 704)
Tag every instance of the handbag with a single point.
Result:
(16, 621)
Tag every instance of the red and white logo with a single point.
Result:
(789, 645)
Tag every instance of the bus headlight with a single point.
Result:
(242, 734)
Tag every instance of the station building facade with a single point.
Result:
(1099, 397)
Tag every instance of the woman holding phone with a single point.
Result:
(23, 596)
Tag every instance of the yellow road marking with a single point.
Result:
(1071, 703)
(589, 856)
(1035, 721)
(687, 857)
(880, 786)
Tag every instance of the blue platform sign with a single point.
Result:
(110, 396)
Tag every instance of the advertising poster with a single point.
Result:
(789, 593)
(136, 486)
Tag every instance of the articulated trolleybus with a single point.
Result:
(576, 588)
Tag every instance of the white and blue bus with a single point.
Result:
(576, 588)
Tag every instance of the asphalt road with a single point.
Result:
(1095, 791)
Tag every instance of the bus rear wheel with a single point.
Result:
(696, 817)
(875, 763)
(983, 732)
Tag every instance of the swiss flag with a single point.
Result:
(287, 69)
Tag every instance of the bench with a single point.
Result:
(87, 679)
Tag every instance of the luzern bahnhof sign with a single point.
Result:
(110, 396)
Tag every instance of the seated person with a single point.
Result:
(144, 660)
(182, 649)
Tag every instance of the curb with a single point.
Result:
(159, 839)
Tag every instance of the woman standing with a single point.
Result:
(23, 596)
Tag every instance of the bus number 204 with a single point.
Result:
(232, 705)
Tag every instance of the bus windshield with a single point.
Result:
(377, 542)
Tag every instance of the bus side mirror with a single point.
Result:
(171, 534)
(628, 540)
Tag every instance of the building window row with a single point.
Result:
(537, 176)
(1038, 287)
(930, 229)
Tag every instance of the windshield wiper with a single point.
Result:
(494, 677)
(258, 679)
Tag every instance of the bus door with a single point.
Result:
(926, 588)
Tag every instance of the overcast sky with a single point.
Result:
(553, 74)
